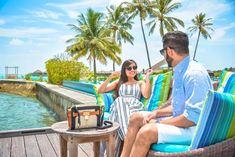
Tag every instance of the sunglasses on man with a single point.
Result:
(130, 68)
(163, 51)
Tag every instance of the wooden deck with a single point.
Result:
(38, 145)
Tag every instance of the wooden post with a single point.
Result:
(63, 147)
(96, 148)
(111, 145)
(73, 147)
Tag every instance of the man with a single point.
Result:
(191, 83)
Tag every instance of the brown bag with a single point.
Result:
(84, 116)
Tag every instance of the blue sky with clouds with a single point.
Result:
(31, 32)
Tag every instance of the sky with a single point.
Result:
(34, 31)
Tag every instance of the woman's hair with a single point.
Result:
(123, 78)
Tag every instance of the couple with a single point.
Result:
(191, 83)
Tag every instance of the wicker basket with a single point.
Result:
(221, 149)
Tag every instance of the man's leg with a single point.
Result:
(147, 135)
(135, 123)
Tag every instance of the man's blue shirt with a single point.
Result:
(191, 83)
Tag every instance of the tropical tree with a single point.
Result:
(142, 9)
(92, 40)
(119, 24)
(202, 24)
(159, 14)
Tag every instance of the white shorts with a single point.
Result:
(173, 134)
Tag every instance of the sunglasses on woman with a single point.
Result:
(130, 68)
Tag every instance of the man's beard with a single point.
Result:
(169, 60)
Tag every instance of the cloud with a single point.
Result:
(16, 42)
(190, 8)
(2, 22)
(47, 14)
(64, 38)
(221, 32)
(117, 2)
(73, 9)
(25, 32)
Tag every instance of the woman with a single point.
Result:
(127, 90)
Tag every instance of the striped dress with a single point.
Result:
(123, 106)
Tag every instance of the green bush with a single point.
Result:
(27, 77)
(59, 70)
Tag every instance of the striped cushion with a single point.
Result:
(217, 120)
(160, 90)
(227, 82)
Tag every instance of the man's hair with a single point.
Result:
(176, 40)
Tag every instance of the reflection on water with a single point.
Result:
(18, 112)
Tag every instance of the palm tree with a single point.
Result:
(92, 40)
(161, 8)
(202, 24)
(119, 23)
(141, 8)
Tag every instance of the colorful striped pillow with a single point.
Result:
(160, 90)
(103, 99)
(217, 120)
(227, 82)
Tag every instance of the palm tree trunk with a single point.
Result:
(199, 32)
(161, 29)
(113, 65)
(146, 46)
(114, 40)
(94, 69)
(90, 64)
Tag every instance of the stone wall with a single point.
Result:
(24, 88)
(54, 100)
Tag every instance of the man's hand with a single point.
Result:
(149, 117)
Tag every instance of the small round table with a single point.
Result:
(74, 137)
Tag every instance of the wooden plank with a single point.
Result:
(82, 153)
(31, 146)
(88, 148)
(24, 132)
(5, 147)
(45, 146)
(54, 139)
(18, 148)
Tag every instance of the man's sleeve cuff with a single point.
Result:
(191, 116)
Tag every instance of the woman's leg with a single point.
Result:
(135, 123)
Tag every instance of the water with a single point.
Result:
(33, 78)
(19, 76)
(18, 112)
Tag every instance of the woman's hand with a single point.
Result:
(115, 74)
(148, 73)
(106, 86)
